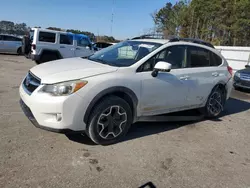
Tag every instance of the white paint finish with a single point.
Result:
(237, 57)
(69, 69)
(162, 93)
(174, 91)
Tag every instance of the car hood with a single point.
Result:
(245, 71)
(69, 69)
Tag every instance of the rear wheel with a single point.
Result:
(215, 103)
(47, 57)
(19, 51)
(110, 120)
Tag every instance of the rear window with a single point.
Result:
(47, 37)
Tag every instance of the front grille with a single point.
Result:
(244, 76)
(30, 83)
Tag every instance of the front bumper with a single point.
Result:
(43, 111)
(31, 117)
(241, 83)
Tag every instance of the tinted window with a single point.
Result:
(47, 37)
(175, 55)
(83, 42)
(10, 38)
(66, 39)
(215, 60)
(198, 57)
(1, 37)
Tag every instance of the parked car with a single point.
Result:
(10, 44)
(100, 45)
(103, 94)
(45, 45)
(242, 78)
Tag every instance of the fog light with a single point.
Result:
(58, 117)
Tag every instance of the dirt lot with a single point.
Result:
(201, 154)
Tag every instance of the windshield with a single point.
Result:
(125, 53)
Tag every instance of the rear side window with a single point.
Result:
(10, 38)
(47, 37)
(66, 39)
(198, 57)
(215, 60)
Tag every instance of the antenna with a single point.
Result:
(112, 18)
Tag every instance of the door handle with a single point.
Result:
(78, 48)
(62, 46)
(215, 74)
(184, 77)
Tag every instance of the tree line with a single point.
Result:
(222, 22)
(8, 27)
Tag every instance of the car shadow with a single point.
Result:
(142, 129)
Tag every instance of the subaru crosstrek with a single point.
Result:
(103, 94)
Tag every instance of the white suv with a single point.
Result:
(45, 45)
(106, 92)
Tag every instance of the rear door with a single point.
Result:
(11, 44)
(83, 47)
(1, 43)
(204, 72)
(66, 47)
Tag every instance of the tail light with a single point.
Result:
(33, 46)
(230, 70)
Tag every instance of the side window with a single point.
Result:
(1, 37)
(175, 55)
(198, 57)
(9, 38)
(66, 39)
(215, 59)
(47, 37)
(83, 42)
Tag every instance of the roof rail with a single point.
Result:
(197, 41)
(149, 36)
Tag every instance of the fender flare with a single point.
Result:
(110, 91)
(44, 50)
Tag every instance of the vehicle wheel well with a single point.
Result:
(19, 51)
(123, 95)
(222, 87)
(49, 52)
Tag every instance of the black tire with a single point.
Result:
(100, 135)
(216, 100)
(19, 51)
(47, 57)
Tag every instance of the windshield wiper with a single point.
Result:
(101, 61)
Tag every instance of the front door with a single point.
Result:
(168, 91)
(83, 48)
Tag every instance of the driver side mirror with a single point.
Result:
(161, 66)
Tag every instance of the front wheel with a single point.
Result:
(215, 103)
(109, 121)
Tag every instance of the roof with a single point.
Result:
(75, 36)
(161, 41)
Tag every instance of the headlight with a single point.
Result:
(65, 88)
(237, 74)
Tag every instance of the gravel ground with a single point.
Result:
(184, 154)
